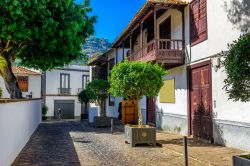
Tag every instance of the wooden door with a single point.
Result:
(165, 33)
(200, 102)
(151, 110)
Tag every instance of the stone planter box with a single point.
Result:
(241, 161)
(104, 121)
(135, 135)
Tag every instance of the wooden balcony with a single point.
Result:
(169, 52)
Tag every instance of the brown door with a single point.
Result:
(200, 102)
(165, 33)
(151, 110)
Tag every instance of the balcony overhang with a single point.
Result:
(146, 10)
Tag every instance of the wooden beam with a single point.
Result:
(183, 28)
(123, 51)
(142, 38)
(130, 42)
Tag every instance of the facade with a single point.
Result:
(60, 87)
(187, 38)
(29, 82)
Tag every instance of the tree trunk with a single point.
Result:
(102, 109)
(139, 114)
(10, 81)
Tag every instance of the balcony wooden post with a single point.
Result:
(155, 32)
(141, 39)
(123, 57)
(130, 46)
(183, 30)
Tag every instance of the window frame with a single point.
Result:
(18, 78)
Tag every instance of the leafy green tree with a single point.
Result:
(133, 80)
(43, 34)
(237, 66)
(97, 91)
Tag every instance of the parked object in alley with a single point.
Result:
(241, 160)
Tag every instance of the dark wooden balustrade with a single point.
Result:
(166, 51)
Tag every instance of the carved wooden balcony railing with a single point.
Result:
(167, 51)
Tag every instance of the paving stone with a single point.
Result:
(75, 143)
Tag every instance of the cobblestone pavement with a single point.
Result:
(72, 143)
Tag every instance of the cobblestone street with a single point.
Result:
(72, 143)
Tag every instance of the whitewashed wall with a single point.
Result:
(18, 121)
(53, 80)
(34, 87)
(220, 31)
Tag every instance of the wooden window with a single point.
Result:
(198, 21)
(23, 82)
(167, 92)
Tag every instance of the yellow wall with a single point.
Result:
(167, 92)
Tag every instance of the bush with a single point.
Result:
(1, 92)
(133, 80)
(82, 97)
(97, 91)
(237, 66)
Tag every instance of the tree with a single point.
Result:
(83, 98)
(43, 34)
(133, 80)
(97, 91)
(237, 67)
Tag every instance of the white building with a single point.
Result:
(60, 87)
(187, 38)
(29, 82)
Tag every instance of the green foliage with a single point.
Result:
(1, 92)
(44, 109)
(97, 90)
(248, 156)
(237, 66)
(133, 80)
(44, 34)
(82, 97)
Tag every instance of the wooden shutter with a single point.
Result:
(23, 82)
(198, 21)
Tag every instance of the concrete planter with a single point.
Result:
(240, 161)
(104, 121)
(135, 135)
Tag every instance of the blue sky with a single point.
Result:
(113, 16)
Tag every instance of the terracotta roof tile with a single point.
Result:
(23, 71)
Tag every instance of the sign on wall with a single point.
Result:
(167, 92)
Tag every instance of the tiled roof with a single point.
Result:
(23, 71)
(144, 9)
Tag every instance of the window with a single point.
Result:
(85, 81)
(167, 92)
(198, 21)
(23, 82)
(65, 81)
(64, 84)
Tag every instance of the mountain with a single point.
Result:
(95, 45)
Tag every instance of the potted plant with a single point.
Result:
(133, 80)
(243, 160)
(83, 98)
(44, 112)
(97, 92)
